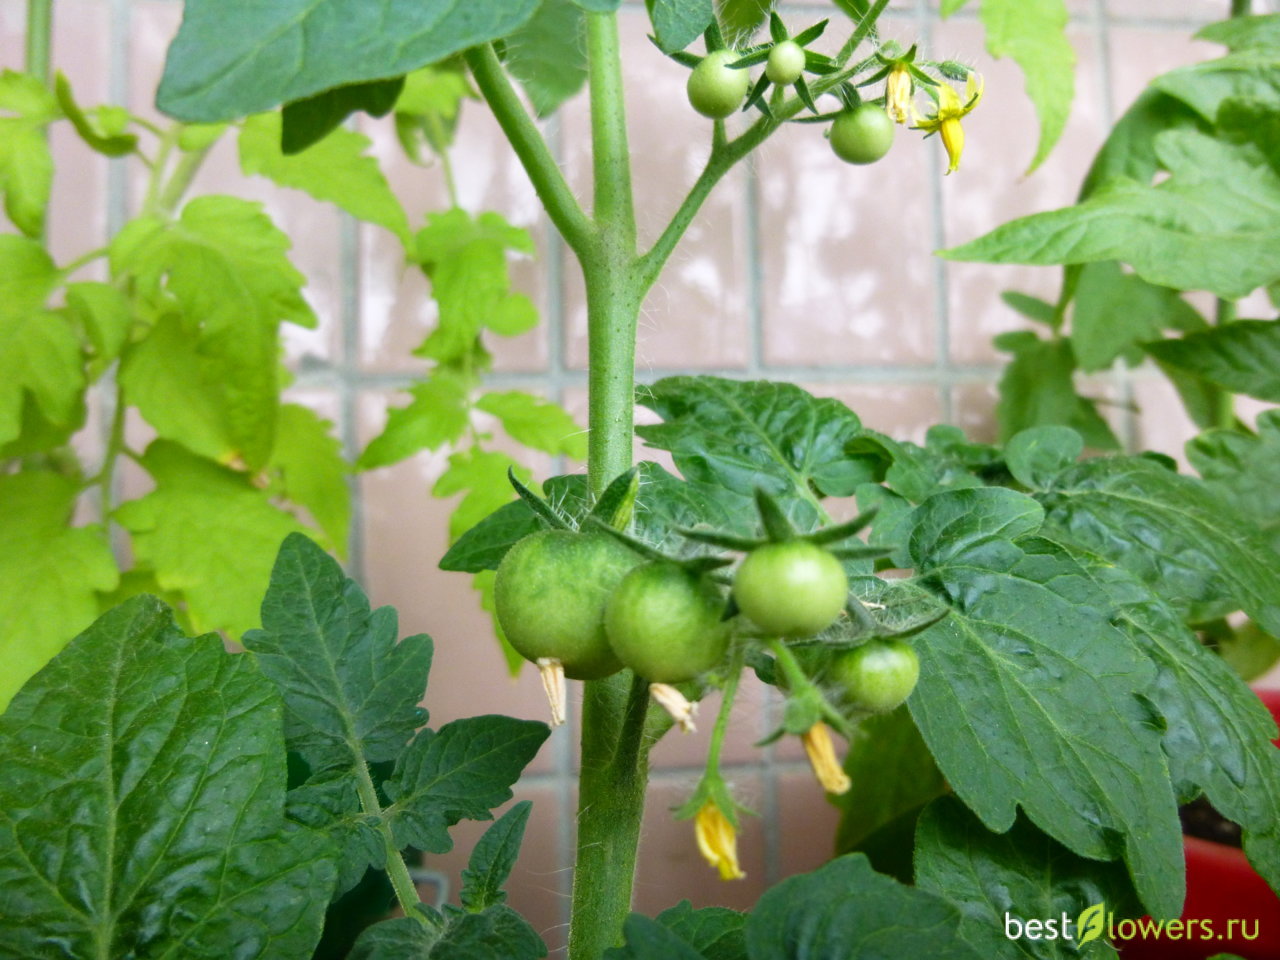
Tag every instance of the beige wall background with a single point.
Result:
(799, 268)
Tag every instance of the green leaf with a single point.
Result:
(846, 910)
(295, 48)
(599, 6)
(1243, 357)
(438, 414)
(757, 434)
(224, 261)
(492, 859)
(1190, 548)
(1130, 148)
(1244, 470)
(1115, 312)
(892, 772)
(1251, 71)
(1219, 734)
(537, 423)
(103, 313)
(145, 814)
(548, 55)
(1033, 308)
(481, 475)
(207, 532)
(26, 164)
(39, 351)
(336, 169)
(50, 570)
(1038, 389)
(739, 19)
(429, 106)
(1211, 226)
(110, 145)
(313, 473)
(649, 940)
(1029, 697)
(308, 121)
(1033, 33)
(715, 932)
(466, 261)
(1021, 874)
(1036, 456)
(948, 7)
(330, 803)
(398, 939)
(463, 770)
(677, 23)
(483, 546)
(350, 690)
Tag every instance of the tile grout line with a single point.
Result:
(349, 382)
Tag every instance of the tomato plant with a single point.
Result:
(664, 622)
(551, 590)
(862, 135)
(877, 676)
(786, 63)
(792, 589)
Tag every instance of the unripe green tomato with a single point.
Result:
(792, 589)
(862, 135)
(664, 623)
(877, 676)
(550, 592)
(714, 90)
(786, 63)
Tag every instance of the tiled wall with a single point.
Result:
(799, 268)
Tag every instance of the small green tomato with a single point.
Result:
(664, 623)
(786, 63)
(550, 592)
(792, 589)
(877, 676)
(714, 89)
(862, 135)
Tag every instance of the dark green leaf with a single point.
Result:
(1244, 470)
(331, 803)
(649, 940)
(462, 771)
(499, 933)
(400, 938)
(1021, 874)
(143, 814)
(1243, 357)
(548, 55)
(483, 546)
(1038, 389)
(308, 121)
(351, 691)
(892, 772)
(845, 910)
(599, 6)
(715, 932)
(1115, 312)
(1038, 455)
(293, 49)
(1190, 548)
(1029, 697)
(492, 859)
(677, 23)
(749, 435)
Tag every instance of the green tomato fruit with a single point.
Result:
(664, 623)
(877, 676)
(862, 135)
(786, 63)
(550, 592)
(792, 589)
(715, 90)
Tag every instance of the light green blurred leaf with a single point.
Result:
(313, 473)
(536, 423)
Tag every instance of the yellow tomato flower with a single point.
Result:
(947, 118)
(822, 757)
(717, 841)
(898, 87)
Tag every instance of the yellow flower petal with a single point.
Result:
(822, 757)
(953, 140)
(717, 841)
(897, 91)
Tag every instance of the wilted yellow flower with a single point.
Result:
(898, 87)
(718, 841)
(822, 757)
(947, 119)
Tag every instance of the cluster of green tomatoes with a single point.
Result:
(719, 85)
(592, 601)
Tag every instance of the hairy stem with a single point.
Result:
(561, 205)
(397, 871)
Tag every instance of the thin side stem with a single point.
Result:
(39, 52)
(115, 446)
(397, 871)
(553, 190)
(1241, 8)
(184, 172)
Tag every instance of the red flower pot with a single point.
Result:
(1221, 888)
